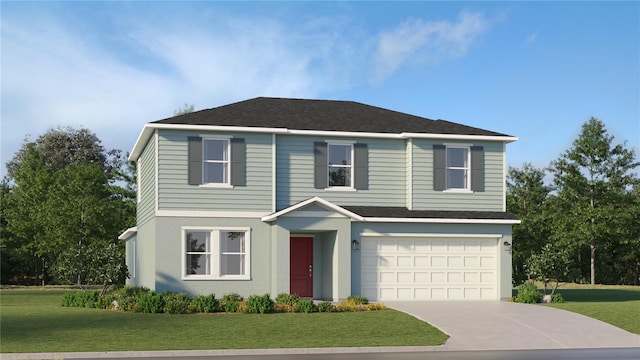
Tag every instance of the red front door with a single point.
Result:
(301, 259)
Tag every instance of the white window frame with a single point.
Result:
(216, 253)
(350, 166)
(226, 163)
(467, 168)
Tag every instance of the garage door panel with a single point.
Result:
(438, 261)
(420, 261)
(429, 268)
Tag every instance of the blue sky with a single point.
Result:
(535, 70)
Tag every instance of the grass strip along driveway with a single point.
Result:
(34, 321)
(616, 305)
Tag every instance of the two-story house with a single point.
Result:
(325, 199)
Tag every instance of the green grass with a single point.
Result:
(616, 305)
(33, 321)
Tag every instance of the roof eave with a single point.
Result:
(148, 129)
(443, 220)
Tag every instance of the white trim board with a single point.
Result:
(149, 127)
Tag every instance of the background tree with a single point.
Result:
(527, 198)
(594, 179)
(185, 109)
(67, 193)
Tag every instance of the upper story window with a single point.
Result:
(340, 161)
(340, 165)
(215, 161)
(458, 168)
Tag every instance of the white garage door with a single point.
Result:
(397, 268)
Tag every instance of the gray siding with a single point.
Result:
(147, 183)
(295, 173)
(174, 192)
(145, 255)
(425, 198)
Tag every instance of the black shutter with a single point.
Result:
(238, 177)
(439, 167)
(477, 168)
(321, 166)
(361, 166)
(195, 160)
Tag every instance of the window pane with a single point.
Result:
(231, 242)
(215, 150)
(198, 264)
(197, 242)
(232, 265)
(339, 176)
(215, 173)
(339, 154)
(456, 179)
(457, 157)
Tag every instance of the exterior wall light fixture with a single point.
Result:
(355, 245)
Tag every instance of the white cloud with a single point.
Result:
(53, 76)
(145, 67)
(433, 40)
(531, 38)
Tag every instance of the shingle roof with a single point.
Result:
(320, 115)
(403, 212)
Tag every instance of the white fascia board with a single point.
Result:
(433, 235)
(345, 134)
(128, 233)
(442, 221)
(146, 131)
(505, 139)
(314, 200)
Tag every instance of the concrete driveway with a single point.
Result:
(499, 325)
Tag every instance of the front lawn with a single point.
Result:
(34, 321)
(616, 305)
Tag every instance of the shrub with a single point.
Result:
(150, 303)
(204, 304)
(306, 306)
(346, 306)
(260, 304)
(374, 306)
(358, 300)
(557, 298)
(528, 293)
(231, 302)
(326, 306)
(175, 303)
(287, 299)
(286, 302)
(87, 299)
(125, 298)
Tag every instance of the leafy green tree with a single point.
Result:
(527, 198)
(76, 265)
(593, 178)
(26, 212)
(552, 264)
(67, 193)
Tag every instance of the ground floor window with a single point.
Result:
(216, 253)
